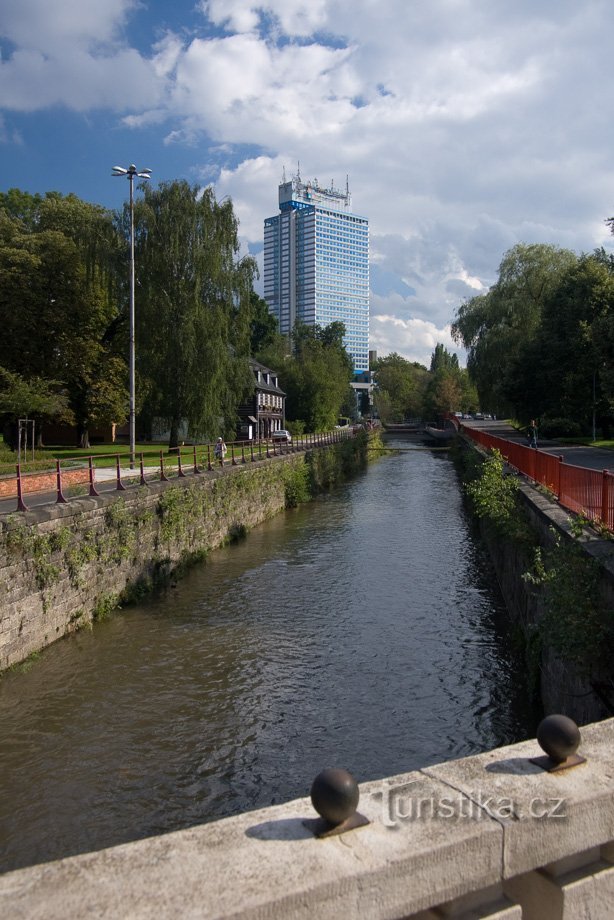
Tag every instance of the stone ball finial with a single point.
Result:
(334, 795)
(559, 737)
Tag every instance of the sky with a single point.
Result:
(463, 126)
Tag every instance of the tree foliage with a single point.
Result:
(194, 308)
(400, 387)
(33, 398)
(58, 300)
(541, 341)
(263, 327)
(317, 376)
(499, 328)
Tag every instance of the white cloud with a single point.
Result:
(43, 26)
(295, 17)
(414, 339)
(71, 53)
(240, 89)
(464, 126)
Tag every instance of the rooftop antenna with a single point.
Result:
(347, 186)
(298, 170)
(283, 175)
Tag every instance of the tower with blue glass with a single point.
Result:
(316, 264)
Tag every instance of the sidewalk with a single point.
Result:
(591, 458)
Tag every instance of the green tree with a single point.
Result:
(443, 360)
(499, 328)
(59, 298)
(317, 376)
(400, 387)
(263, 327)
(33, 398)
(569, 371)
(445, 388)
(194, 310)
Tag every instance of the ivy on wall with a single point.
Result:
(154, 537)
(576, 622)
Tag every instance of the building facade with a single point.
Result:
(265, 410)
(316, 264)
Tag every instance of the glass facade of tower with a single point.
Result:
(316, 264)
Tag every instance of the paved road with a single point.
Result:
(593, 458)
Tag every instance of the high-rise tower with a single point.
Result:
(316, 263)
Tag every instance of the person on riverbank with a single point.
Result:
(220, 450)
(532, 433)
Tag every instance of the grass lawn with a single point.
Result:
(586, 442)
(105, 454)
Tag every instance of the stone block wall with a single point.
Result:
(62, 566)
(562, 688)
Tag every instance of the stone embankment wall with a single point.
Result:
(63, 566)
(492, 835)
(561, 687)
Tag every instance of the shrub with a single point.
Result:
(559, 428)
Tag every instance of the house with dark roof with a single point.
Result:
(265, 410)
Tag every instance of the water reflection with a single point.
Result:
(363, 631)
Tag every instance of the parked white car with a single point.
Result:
(282, 435)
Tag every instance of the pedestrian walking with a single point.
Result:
(532, 433)
(220, 450)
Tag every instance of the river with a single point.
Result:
(364, 630)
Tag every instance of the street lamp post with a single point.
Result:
(130, 174)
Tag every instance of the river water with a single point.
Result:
(364, 631)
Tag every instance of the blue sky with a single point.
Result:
(465, 126)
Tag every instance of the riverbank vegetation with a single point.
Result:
(561, 581)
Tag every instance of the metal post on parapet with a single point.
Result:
(21, 505)
(196, 470)
(163, 476)
(209, 464)
(61, 499)
(120, 487)
(93, 490)
(142, 466)
(180, 472)
(605, 496)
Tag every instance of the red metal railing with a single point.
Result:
(113, 472)
(583, 491)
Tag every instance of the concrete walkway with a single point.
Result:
(592, 458)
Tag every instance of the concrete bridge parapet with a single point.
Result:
(491, 835)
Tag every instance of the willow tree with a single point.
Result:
(499, 329)
(193, 309)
